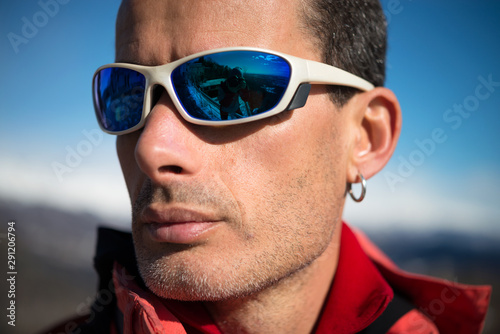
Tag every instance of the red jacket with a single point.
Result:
(361, 290)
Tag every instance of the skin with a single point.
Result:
(260, 203)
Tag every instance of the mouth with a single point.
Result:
(169, 224)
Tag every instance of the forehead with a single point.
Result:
(153, 32)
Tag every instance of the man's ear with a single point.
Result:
(377, 125)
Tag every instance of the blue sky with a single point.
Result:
(444, 172)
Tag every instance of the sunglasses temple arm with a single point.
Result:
(319, 73)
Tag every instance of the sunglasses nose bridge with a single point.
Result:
(159, 82)
(159, 75)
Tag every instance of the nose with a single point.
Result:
(166, 147)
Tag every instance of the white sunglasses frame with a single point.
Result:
(303, 71)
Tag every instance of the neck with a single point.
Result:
(293, 305)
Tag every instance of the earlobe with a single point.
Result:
(378, 128)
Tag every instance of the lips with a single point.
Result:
(168, 224)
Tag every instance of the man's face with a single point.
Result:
(223, 212)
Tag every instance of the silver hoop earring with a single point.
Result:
(363, 189)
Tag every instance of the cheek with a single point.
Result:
(125, 148)
(291, 173)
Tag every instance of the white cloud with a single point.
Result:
(430, 202)
(96, 185)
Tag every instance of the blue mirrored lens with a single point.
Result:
(231, 85)
(118, 98)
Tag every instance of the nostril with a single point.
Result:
(171, 169)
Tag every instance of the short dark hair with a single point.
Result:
(352, 35)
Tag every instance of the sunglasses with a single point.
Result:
(217, 87)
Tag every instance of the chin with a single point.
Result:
(188, 276)
(181, 282)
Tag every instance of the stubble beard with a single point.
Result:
(170, 280)
(225, 277)
(184, 272)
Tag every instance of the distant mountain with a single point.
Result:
(465, 252)
(66, 237)
(54, 251)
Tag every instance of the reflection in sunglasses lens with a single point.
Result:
(231, 85)
(120, 97)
